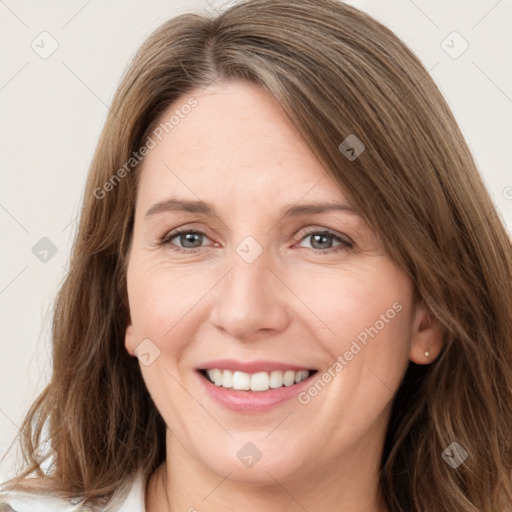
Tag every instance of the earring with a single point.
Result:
(427, 353)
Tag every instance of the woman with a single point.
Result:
(289, 290)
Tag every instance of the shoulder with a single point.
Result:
(129, 498)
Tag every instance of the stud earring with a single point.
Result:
(427, 353)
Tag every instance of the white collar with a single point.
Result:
(135, 501)
(125, 499)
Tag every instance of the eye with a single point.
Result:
(322, 241)
(189, 240)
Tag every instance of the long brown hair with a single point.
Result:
(336, 72)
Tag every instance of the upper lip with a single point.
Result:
(250, 366)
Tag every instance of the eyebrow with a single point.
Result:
(296, 210)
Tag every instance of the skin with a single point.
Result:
(296, 302)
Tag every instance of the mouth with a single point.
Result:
(260, 381)
(251, 387)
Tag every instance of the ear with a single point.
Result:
(129, 340)
(427, 335)
(129, 336)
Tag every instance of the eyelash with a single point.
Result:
(166, 240)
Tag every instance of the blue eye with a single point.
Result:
(323, 240)
(191, 241)
(187, 237)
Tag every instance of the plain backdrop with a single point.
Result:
(53, 107)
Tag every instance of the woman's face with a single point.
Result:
(264, 286)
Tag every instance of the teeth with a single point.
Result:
(217, 377)
(289, 378)
(300, 376)
(276, 379)
(241, 380)
(227, 379)
(260, 381)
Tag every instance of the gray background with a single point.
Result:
(53, 108)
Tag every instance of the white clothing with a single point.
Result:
(129, 498)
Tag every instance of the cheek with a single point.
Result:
(163, 302)
(162, 310)
(364, 302)
(366, 320)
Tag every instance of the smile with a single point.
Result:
(259, 381)
(252, 386)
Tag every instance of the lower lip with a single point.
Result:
(252, 401)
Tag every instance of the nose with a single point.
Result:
(250, 301)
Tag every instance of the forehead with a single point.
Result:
(236, 142)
